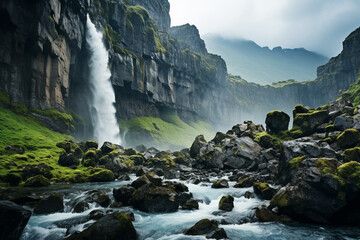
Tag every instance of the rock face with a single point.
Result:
(13, 220)
(51, 204)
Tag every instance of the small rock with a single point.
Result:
(226, 203)
(264, 190)
(220, 184)
(190, 205)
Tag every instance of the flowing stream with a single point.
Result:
(170, 226)
(103, 96)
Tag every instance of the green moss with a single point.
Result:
(67, 119)
(350, 172)
(102, 176)
(13, 179)
(262, 186)
(280, 200)
(111, 35)
(349, 138)
(353, 92)
(37, 181)
(4, 98)
(326, 166)
(268, 141)
(352, 154)
(283, 83)
(302, 121)
(37, 140)
(90, 154)
(52, 22)
(168, 132)
(18, 108)
(330, 128)
(295, 162)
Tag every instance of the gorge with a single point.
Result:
(75, 71)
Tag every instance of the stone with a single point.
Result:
(81, 207)
(100, 197)
(147, 178)
(226, 203)
(263, 214)
(349, 138)
(111, 227)
(123, 194)
(207, 227)
(277, 121)
(13, 220)
(96, 214)
(244, 182)
(29, 171)
(37, 181)
(91, 144)
(107, 147)
(220, 184)
(197, 145)
(191, 204)
(151, 198)
(68, 159)
(102, 176)
(50, 204)
(264, 190)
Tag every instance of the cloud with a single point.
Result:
(318, 25)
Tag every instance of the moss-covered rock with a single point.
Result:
(280, 199)
(349, 173)
(277, 121)
(107, 147)
(267, 141)
(190, 204)
(197, 145)
(352, 154)
(226, 203)
(50, 204)
(219, 137)
(138, 159)
(299, 109)
(326, 166)
(130, 152)
(220, 184)
(264, 190)
(349, 138)
(102, 176)
(104, 160)
(308, 123)
(295, 162)
(244, 182)
(13, 178)
(37, 181)
(111, 227)
(91, 144)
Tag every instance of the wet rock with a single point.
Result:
(96, 214)
(13, 220)
(91, 144)
(100, 197)
(183, 197)
(249, 195)
(244, 182)
(263, 214)
(124, 194)
(206, 227)
(68, 160)
(37, 181)
(130, 152)
(81, 207)
(226, 203)
(342, 123)
(172, 174)
(152, 198)
(191, 204)
(147, 178)
(51, 204)
(111, 227)
(277, 121)
(264, 190)
(178, 187)
(141, 148)
(129, 214)
(220, 184)
(124, 177)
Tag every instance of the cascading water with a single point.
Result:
(102, 106)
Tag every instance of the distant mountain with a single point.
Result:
(263, 65)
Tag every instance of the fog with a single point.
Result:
(319, 26)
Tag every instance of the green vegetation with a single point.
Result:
(4, 98)
(349, 138)
(283, 83)
(67, 119)
(168, 132)
(111, 35)
(326, 166)
(38, 142)
(350, 172)
(280, 199)
(295, 162)
(352, 154)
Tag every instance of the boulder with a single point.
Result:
(147, 178)
(102, 176)
(99, 196)
(349, 138)
(191, 204)
(29, 171)
(207, 227)
(226, 203)
(123, 194)
(342, 123)
(68, 160)
(244, 182)
(81, 207)
(51, 204)
(37, 181)
(13, 220)
(220, 184)
(152, 198)
(264, 190)
(13, 178)
(107, 147)
(197, 145)
(307, 123)
(277, 121)
(300, 109)
(263, 214)
(91, 144)
(111, 227)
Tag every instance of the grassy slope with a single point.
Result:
(168, 132)
(38, 141)
(354, 92)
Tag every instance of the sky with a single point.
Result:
(317, 25)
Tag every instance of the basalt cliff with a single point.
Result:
(156, 69)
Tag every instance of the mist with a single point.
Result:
(319, 26)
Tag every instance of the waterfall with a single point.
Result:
(103, 97)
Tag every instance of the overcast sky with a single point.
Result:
(317, 25)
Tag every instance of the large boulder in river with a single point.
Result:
(152, 198)
(264, 190)
(123, 194)
(226, 203)
(51, 204)
(102, 176)
(277, 121)
(13, 220)
(220, 184)
(111, 227)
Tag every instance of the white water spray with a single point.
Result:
(103, 110)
